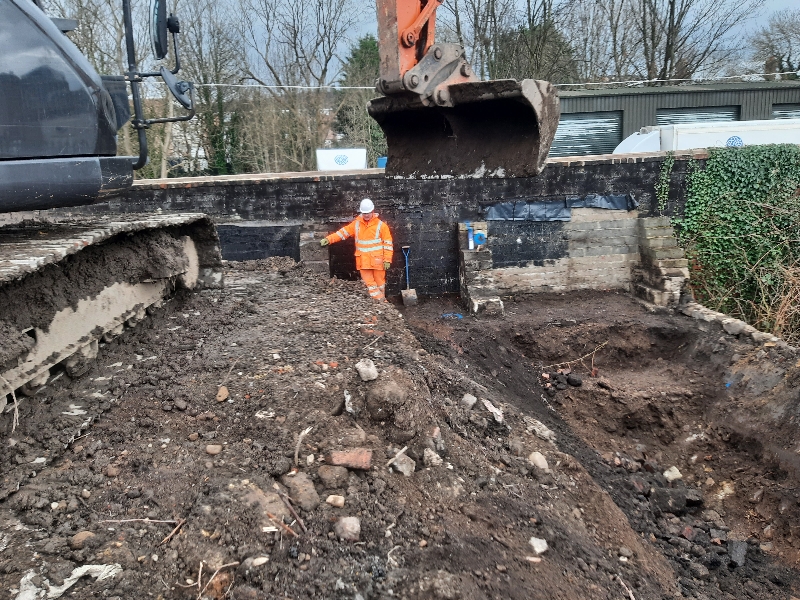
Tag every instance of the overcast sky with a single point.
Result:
(770, 6)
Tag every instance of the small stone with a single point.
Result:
(423, 543)
(626, 552)
(650, 466)
(155, 557)
(766, 547)
(689, 533)
(672, 474)
(694, 497)
(85, 494)
(213, 449)
(209, 464)
(667, 500)
(431, 459)
(405, 465)
(337, 501)
(501, 568)
(516, 446)
(133, 493)
(367, 369)
(757, 496)
(260, 560)
(539, 545)
(112, 471)
(468, 401)
(181, 404)
(710, 482)
(348, 529)
(222, 394)
(77, 541)
(357, 458)
(302, 491)
(733, 326)
(737, 550)
(193, 437)
(718, 535)
(699, 571)
(574, 380)
(538, 460)
(332, 476)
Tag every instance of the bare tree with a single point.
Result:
(681, 38)
(778, 43)
(294, 48)
(214, 60)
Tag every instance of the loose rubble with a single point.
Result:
(432, 479)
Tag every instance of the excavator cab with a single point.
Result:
(59, 118)
(439, 119)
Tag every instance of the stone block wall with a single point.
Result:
(663, 268)
(601, 249)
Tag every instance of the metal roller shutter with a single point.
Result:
(678, 116)
(587, 133)
(786, 111)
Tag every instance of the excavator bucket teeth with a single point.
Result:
(500, 128)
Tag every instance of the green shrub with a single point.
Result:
(741, 233)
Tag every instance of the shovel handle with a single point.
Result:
(406, 251)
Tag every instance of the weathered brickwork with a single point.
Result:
(423, 214)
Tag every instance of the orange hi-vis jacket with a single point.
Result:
(373, 241)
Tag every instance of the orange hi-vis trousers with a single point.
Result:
(376, 282)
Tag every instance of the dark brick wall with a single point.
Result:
(518, 243)
(252, 241)
(422, 214)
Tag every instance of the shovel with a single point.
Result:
(409, 295)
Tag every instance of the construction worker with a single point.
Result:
(373, 247)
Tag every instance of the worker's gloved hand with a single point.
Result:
(386, 266)
(324, 242)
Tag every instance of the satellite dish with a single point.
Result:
(180, 89)
(158, 28)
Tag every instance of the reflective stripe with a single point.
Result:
(368, 242)
(371, 249)
(389, 248)
(341, 236)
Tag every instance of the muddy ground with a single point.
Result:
(102, 468)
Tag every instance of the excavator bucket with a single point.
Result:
(500, 128)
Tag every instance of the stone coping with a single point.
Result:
(324, 176)
(732, 326)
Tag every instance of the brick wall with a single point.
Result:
(422, 214)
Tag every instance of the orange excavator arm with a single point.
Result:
(440, 119)
(410, 62)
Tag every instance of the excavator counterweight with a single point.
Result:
(440, 120)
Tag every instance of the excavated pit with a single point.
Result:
(143, 436)
(669, 391)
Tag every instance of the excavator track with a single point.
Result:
(66, 287)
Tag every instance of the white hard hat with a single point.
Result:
(366, 206)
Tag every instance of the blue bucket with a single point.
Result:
(382, 162)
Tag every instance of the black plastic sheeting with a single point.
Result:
(556, 210)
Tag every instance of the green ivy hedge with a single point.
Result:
(741, 233)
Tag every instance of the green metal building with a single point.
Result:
(594, 121)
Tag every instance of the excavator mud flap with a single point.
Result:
(500, 128)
